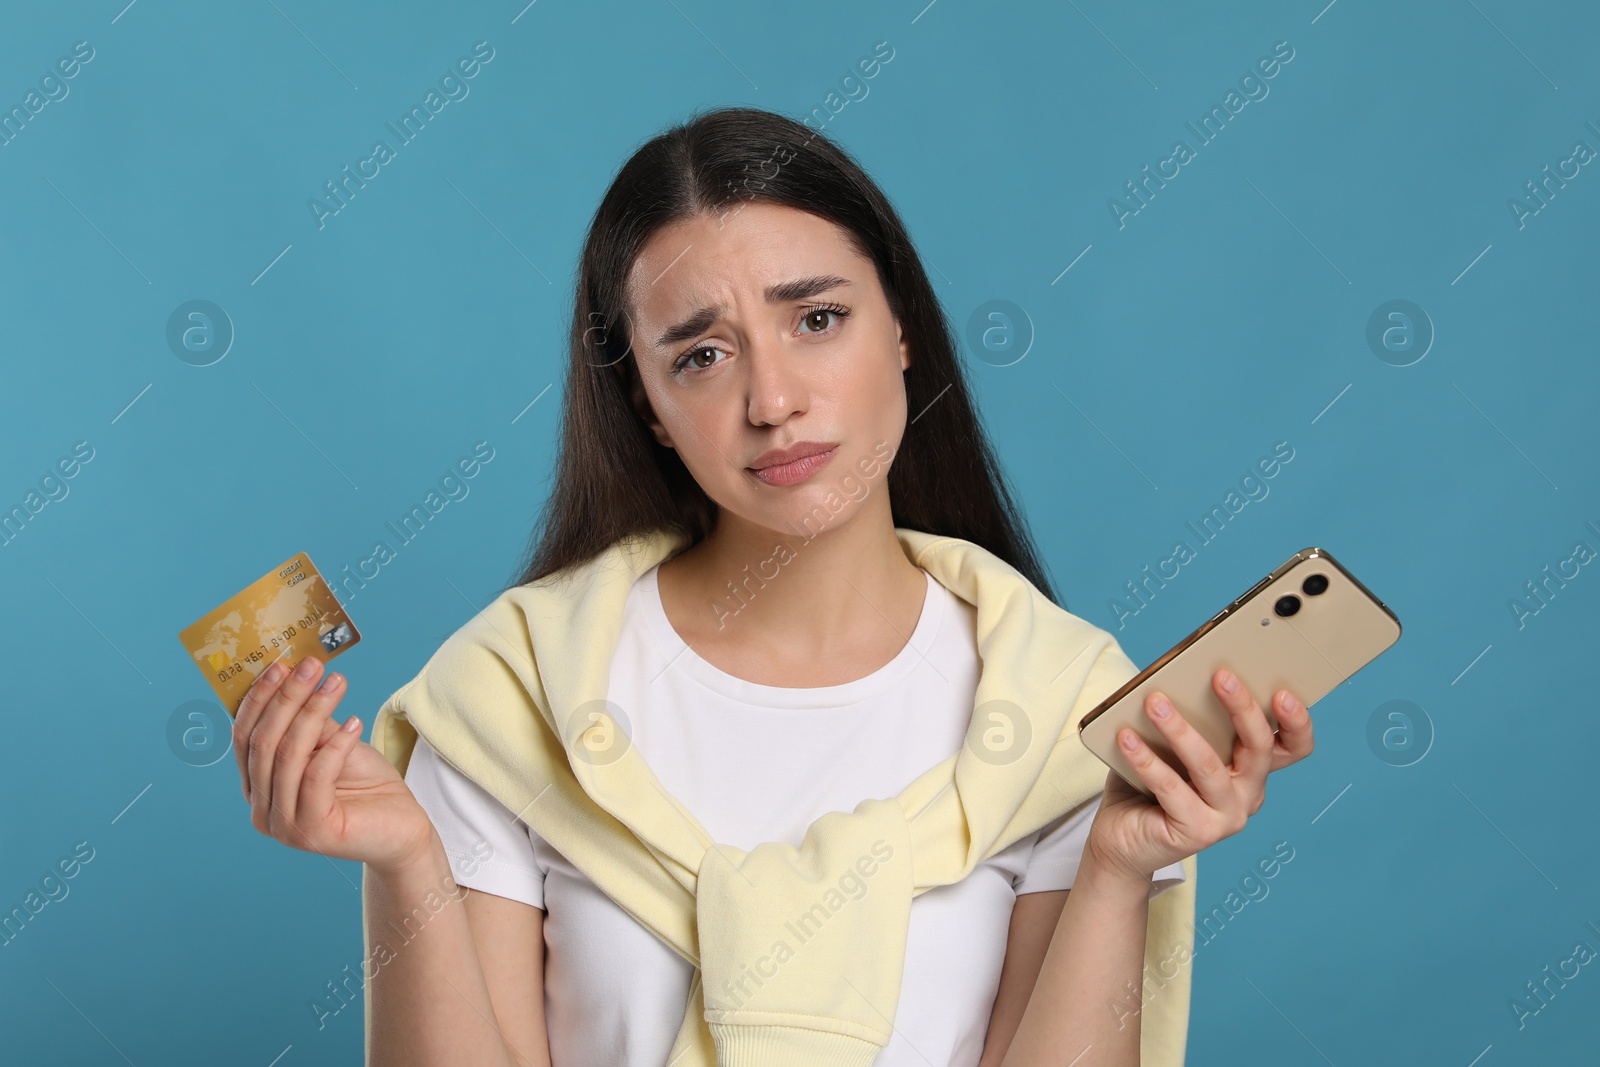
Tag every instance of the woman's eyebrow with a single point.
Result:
(782, 292)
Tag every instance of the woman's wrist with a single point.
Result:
(425, 859)
(1112, 877)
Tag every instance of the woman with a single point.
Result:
(760, 365)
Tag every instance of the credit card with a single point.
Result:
(287, 613)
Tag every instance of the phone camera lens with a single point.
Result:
(1315, 585)
(1287, 605)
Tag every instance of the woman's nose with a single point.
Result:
(776, 388)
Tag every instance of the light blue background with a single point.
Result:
(1229, 314)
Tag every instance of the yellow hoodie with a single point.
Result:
(514, 700)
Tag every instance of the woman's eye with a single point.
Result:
(690, 361)
(811, 318)
(690, 358)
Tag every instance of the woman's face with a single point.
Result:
(761, 330)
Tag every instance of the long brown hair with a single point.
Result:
(614, 480)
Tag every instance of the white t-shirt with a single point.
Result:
(760, 763)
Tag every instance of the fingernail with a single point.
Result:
(1160, 706)
(332, 682)
(352, 724)
(273, 672)
(1130, 740)
(306, 668)
(1290, 704)
(1230, 684)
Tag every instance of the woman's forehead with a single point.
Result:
(698, 263)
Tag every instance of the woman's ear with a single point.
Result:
(905, 347)
(641, 404)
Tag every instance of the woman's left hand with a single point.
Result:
(1138, 836)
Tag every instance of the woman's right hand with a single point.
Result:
(316, 786)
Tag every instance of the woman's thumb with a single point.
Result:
(322, 773)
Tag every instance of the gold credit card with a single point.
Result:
(288, 614)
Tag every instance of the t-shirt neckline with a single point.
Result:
(681, 657)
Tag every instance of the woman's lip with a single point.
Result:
(781, 474)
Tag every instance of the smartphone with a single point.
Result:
(1306, 627)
